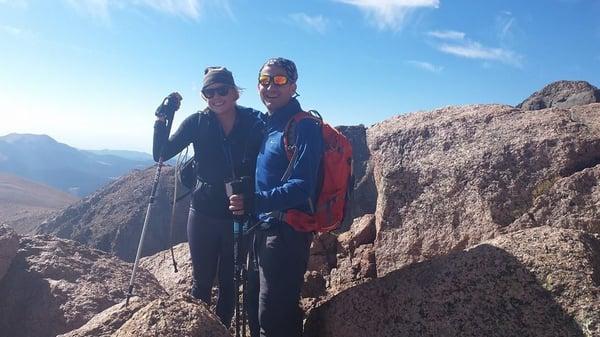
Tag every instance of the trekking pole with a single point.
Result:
(237, 247)
(244, 278)
(173, 208)
(172, 224)
(167, 108)
(237, 187)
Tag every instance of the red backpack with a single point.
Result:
(335, 178)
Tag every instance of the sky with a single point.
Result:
(90, 73)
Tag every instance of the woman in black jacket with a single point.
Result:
(226, 139)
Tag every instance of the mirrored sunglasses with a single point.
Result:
(210, 93)
(265, 80)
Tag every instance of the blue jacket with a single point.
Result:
(271, 193)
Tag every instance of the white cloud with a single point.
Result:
(505, 24)
(447, 34)
(186, 8)
(101, 8)
(16, 32)
(22, 4)
(456, 43)
(95, 8)
(390, 14)
(317, 23)
(475, 50)
(11, 30)
(425, 66)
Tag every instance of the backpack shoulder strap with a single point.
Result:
(289, 133)
(289, 138)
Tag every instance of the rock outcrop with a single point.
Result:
(453, 177)
(161, 266)
(112, 218)
(338, 262)
(110, 320)
(562, 94)
(570, 202)
(54, 286)
(537, 282)
(9, 243)
(178, 316)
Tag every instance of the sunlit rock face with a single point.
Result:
(453, 177)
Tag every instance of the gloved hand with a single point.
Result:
(169, 105)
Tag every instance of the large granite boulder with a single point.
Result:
(161, 266)
(175, 283)
(110, 320)
(453, 177)
(562, 94)
(177, 316)
(9, 243)
(55, 285)
(180, 316)
(536, 282)
(111, 219)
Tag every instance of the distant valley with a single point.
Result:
(25, 204)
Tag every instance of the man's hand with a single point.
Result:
(236, 204)
(170, 104)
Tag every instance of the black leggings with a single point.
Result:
(211, 249)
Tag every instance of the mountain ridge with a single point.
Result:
(79, 172)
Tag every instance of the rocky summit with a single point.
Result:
(562, 94)
(476, 220)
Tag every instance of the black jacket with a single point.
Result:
(219, 158)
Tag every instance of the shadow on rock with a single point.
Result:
(484, 291)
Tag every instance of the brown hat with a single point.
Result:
(214, 75)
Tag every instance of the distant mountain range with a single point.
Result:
(133, 155)
(41, 158)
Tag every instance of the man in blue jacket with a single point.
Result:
(281, 251)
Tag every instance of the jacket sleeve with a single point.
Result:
(302, 183)
(177, 142)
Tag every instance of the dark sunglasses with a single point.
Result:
(210, 93)
(265, 80)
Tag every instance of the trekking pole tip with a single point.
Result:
(129, 294)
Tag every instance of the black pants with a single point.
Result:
(211, 249)
(282, 256)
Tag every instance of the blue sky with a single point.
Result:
(91, 72)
